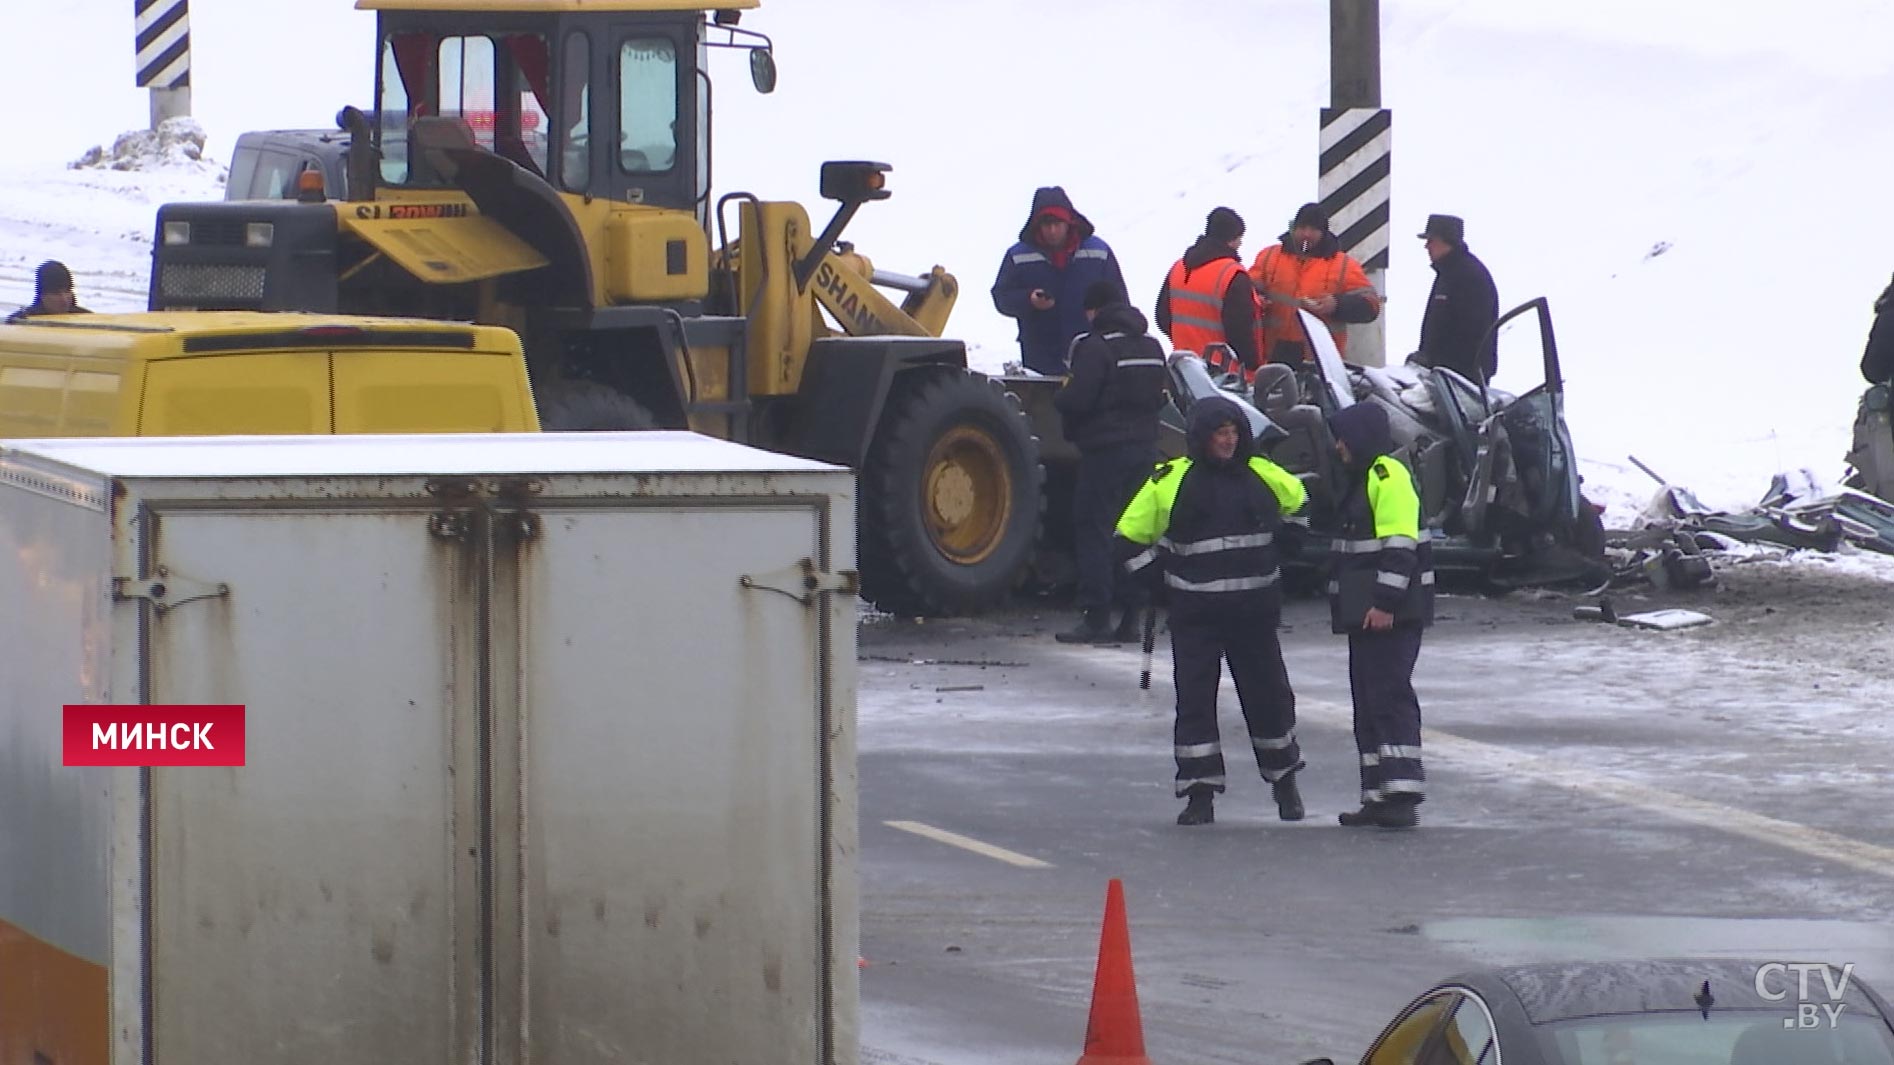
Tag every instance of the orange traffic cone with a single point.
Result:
(1115, 1033)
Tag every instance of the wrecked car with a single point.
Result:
(1497, 472)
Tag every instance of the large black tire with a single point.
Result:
(951, 497)
(590, 407)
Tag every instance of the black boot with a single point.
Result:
(1402, 811)
(1396, 814)
(1128, 630)
(1199, 810)
(1288, 798)
(1367, 817)
(1093, 627)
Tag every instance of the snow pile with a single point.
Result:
(177, 144)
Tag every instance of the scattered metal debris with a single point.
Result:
(1662, 620)
(1678, 534)
(908, 660)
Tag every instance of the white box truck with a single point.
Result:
(549, 752)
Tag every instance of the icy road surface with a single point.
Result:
(1596, 791)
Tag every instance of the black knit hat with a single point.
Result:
(52, 277)
(1223, 225)
(1312, 215)
(1100, 294)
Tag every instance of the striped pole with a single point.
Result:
(163, 29)
(1353, 179)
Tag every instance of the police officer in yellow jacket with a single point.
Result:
(1381, 594)
(1207, 524)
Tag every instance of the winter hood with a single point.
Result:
(1052, 199)
(1121, 318)
(1208, 250)
(1209, 415)
(1364, 428)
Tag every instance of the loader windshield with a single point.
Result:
(486, 90)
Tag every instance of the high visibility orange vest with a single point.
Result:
(1278, 274)
(1196, 299)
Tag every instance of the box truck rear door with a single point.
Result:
(320, 902)
(675, 826)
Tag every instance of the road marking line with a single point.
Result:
(1805, 839)
(955, 839)
(1814, 842)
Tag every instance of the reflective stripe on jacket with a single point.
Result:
(1278, 273)
(1383, 559)
(1196, 302)
(1213, 556)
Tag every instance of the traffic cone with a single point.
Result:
(1115, 1033)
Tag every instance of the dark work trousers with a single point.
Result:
(1107, 480)
(1387, 713)
(1199, 645)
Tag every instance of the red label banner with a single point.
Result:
(153, 735)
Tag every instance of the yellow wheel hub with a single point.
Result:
(966, 494)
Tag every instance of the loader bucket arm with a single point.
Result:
(862, 310)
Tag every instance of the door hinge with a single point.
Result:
(804, 581)
(167, 591)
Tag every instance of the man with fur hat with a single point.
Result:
(1208, 304)
(1462, 306)
(1308, 270)
(52, 293)
(1109, 407)
(1042, 281)
(1206, 525)
(1381, 595)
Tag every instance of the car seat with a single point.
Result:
(1308, 444)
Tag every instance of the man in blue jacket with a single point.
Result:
(1043, 280)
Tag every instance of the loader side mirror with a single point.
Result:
(763, 70)
(855, 182)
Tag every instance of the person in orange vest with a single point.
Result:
(1209, 305)
(1309, 271)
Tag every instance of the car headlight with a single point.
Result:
(177, 232)
(259, 235)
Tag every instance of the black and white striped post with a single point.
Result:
(163, 29)
(1354, 182)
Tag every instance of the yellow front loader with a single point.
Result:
(547, 165)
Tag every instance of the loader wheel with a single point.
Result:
(951, 497)
(590, 407)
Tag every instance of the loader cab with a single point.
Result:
(605, 99)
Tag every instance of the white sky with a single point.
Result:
(284, 63)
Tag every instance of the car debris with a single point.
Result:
(1677, 536)
(1664, 620)
(1497, 471)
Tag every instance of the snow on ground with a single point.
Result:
(97, 220)
(1693, 185)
